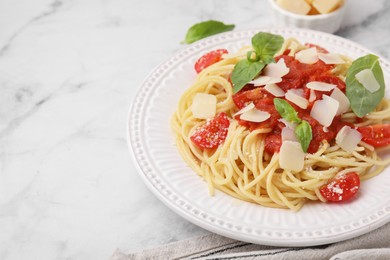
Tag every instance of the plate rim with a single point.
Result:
(227, 229)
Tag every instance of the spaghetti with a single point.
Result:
(241, 166)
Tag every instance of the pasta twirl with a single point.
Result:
(242, 167)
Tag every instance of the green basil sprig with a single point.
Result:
(363, 101)
(303, 131)
(286, 111)
(304, 134)
(207, 28)
(244, 71)
(265, 46)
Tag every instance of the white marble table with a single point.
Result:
(68, 73)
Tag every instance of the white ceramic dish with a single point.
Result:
(329, 23)
(152, 146)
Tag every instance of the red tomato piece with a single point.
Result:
(319, 48)
(273, 142)
(248, 94)
(209, 59)
(300, 73)
(263, 101)
(267, 105)
(332, 80)
(376, 135)
(212, 133)
(341, 188)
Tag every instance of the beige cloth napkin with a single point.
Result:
(373, 246)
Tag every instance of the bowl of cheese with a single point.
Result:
(321, 15)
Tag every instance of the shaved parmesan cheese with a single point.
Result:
(295, 6)
(291, 156)
(264, 80)
(312, 96)
(308, 56)
(325, 110)
(275, 90)
(348, 139)
(296, 97)
(330, 58)
(288, 134)
(276, 70)
(321, 86)
(245, 109)
(338, 95)
(313, 11)
(288, 124)
(255, 115)
(204, 106)
(326, 6)
(261, 80)
(368, 80)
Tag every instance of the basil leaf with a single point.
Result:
(267, 45)
(286, 111)
(243, 72)
(204, 29)
(363, 101)
(304, 134)
(303, 130)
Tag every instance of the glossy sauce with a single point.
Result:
(297, 78)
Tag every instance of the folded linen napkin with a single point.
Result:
(374, 246)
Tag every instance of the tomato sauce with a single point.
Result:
(297, 78)
(300, 74)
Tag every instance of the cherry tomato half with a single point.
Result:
(341, 188)
(376, 135)
(209, 59)
(212, 133)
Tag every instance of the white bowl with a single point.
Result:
(329, 23)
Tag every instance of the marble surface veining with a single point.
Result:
(68, 72)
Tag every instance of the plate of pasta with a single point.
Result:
(277, 136)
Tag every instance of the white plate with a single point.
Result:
(161, 167)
